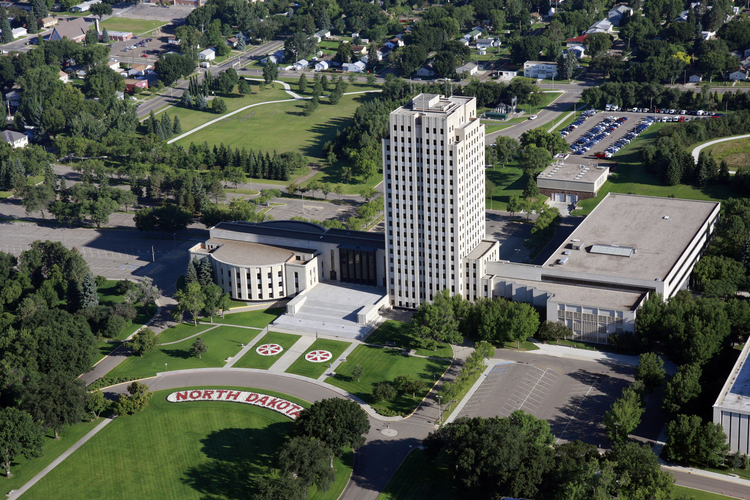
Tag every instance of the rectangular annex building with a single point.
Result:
(732, 407)
(571, 182)
(279, 259)
(627, 248)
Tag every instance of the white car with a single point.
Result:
(533, 117)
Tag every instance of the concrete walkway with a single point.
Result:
(290, 356)
(13, 494)
(697, 150)
(191, 336)
(245, 349)
(338, 361)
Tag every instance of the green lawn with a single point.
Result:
(136, 26)
(184, 451)
(402, 335)
(736, 153)
(524, 346)
(508, 180)
(256, 319)
(494, 127)
(698, 494)
(281, 127)
(222, 343)
(254, 360)
(314, 370)
(179, 332)
(631, 177)
(383, 365)
(109, 297)
(23, 470)
(418, 478)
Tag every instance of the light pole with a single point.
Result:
(440, 413)
(165, 367)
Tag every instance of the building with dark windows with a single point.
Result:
(280, 259)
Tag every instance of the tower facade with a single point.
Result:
(433, 167)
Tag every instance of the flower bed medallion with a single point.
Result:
(269, 349)
(318, 356)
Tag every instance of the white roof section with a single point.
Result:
(561, 171)
(735, 395)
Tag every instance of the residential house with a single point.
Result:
(746, 53)
(132, 83)
(695, 78)
(708, 35)
(74, 30)
(469, 69)
(139, 69)
(113, 65)
(486, 43)
(397, 42)
(48, 22)
(357, 67)
(540, 69)
(232, 42)
(15, 139)
(120, 95)
(578, 50)
(603, 26)
(13, 98)
(321, 66)
(321, 35)
(84, 6)
(578, 40)
(507, 74)
(425, 71)
(207, 55)
(616, 15)
(20, 32)
(301, 65)
(63, 77)
(473, 35)
(740, 74)
(360, 50)
(268, 59)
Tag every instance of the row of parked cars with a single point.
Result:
(141, 43)
(597, 133)
(663, 111)
(627, 138)
(584, 116)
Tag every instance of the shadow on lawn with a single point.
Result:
(237, 459)
(176, 353)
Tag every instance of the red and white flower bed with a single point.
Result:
(269, 349)
(318, 356)
(286, 408)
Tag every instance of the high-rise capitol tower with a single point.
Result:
(433, 165)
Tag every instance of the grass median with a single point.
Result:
(254, 360)
(306, 368)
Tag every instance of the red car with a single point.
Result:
(600, 155)
(144, 55)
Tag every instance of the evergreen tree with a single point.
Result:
(724, 176)
(531, 188)
(31, 23)
(302, 83)
(87, 292)
(241, 44)
(191, 275)
(324, 83)
(7, 34)
(40, 8)
(176, 127)
(166, 126)
(186, 101)
(151, 123)
(205, 273)
(105, 36)
(201, 102)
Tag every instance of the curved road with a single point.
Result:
(698, 149)
(374, 463)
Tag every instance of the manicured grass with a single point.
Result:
(281, 127)
(254, 360)
(179, 332)
(631, 177)
(402, 335)
(508, 180)
(314, 370)
(23, 470)
(735, 153)
(222, 343)
(419, 478)
(698, 494)
(191, 118)
(494, 127)
(384, 365)
(136, 26)
(524, 346)
(744, 474)
(109, 297)
(220, 451)
(256, 319)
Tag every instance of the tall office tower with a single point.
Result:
(433, 164)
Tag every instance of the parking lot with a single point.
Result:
(144, 51)
(571, 395)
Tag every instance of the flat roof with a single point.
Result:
(659, 229)
(735, 395)
(244, 253)
(481, 249)
(298, 230)
(584, 296)
(433, 103)
(574, 172)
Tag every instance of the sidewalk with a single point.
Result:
(332, 369)
(245, 349)
(291, 355)
(705, 473)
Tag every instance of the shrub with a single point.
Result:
(100, 281)
(124, 286)
(125, 311)
(112, 327)
(384, 392)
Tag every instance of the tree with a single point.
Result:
(339, 423)
(176, 126)
(357, 372)
(137, 401)
(598, 44)
(190, 299)
(219, 106)
(56, 400)
(143, 341)
(186, 100)
(20, 436)
(552, 142)
(212, 296)
(302, 83)
(383, 391)
(368, 193)
(307, 460)
(243, 87)
(682, 388)
(639, 473)
(37, 198)
(88, 296)
(534, 159)
(191, 274)
(101, 209)
(515, 204)
(31, 23)
(506, 148)
(437, 320)
(172, 67)
(105, 36)
(198, 348)
(270, 72)
(101, 9)
(96, 403)
(531, 190)
(6, 36)
(92, 37)
(409, 384)
(650, 370)
(553, 330)
(241, 42)
(624, 416)
(205, 273)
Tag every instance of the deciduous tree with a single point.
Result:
(20, 437)
(339, 423)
